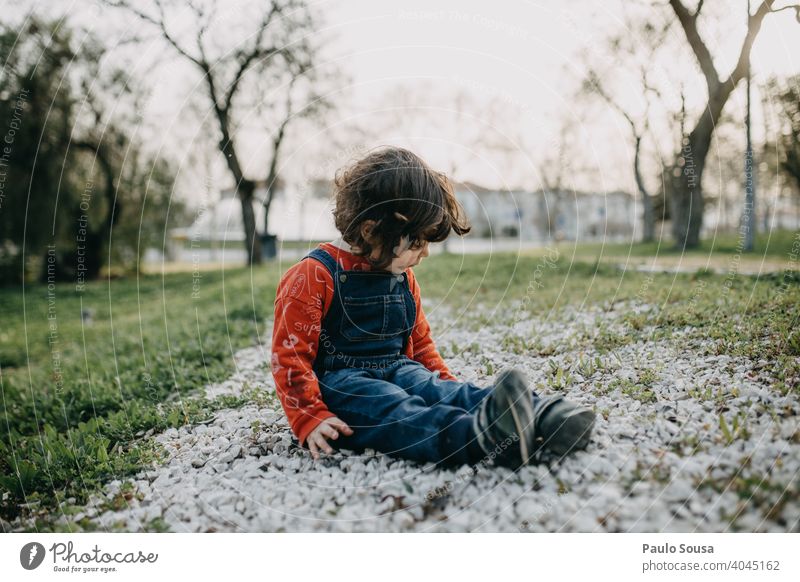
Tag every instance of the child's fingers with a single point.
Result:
(329, 431)
(312, 446)
(341, 425)
(320, 444)
(323, 443)
(318, 439)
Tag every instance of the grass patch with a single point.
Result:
(775, 245)
(78, 393)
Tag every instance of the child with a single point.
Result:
(352, 353)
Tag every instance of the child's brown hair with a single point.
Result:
(403, 195)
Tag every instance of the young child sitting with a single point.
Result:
(352, 353)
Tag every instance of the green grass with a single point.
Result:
(774, 245)
(282, 244)
(68, 429)
(72, 408)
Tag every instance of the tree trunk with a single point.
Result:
(648, 214)
(687, 197)
(92, 258)
(272, 178)
(687, 174)
(266, 206)
(87, 259)
(245, 188)
(269, 250)
(272, 175)
(252, 242)
(648, 219)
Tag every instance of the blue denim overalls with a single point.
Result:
(393, 404)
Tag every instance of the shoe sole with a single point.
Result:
(573, 433)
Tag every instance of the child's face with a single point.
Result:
(408, 254)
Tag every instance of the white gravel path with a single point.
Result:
(226, 476)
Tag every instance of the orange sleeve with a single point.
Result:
(423, 348)
(300, 305)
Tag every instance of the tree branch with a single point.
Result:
(248, 57)
(688, 22)
(593, 84)
(753, 26)
(159, 22)
(795, 7)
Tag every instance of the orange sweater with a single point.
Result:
(303, 298)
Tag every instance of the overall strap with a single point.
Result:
(326, 259)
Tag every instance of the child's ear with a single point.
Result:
(366, 229)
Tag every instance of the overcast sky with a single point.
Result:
(479, 89)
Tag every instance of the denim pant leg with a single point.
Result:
(415, 378)
(459, 440)
(418, 380)
(386, 418)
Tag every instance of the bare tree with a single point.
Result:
(687, 171)
(784, 97)
(303, 99)
(638, 130)
(277, 40)
(629, 47)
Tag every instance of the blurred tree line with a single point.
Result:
(785, 96)
(79, 192)
(261, 66)
(679, 140)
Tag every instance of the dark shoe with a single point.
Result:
(562, 426)
(504, 422)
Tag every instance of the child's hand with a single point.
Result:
(328, 428)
